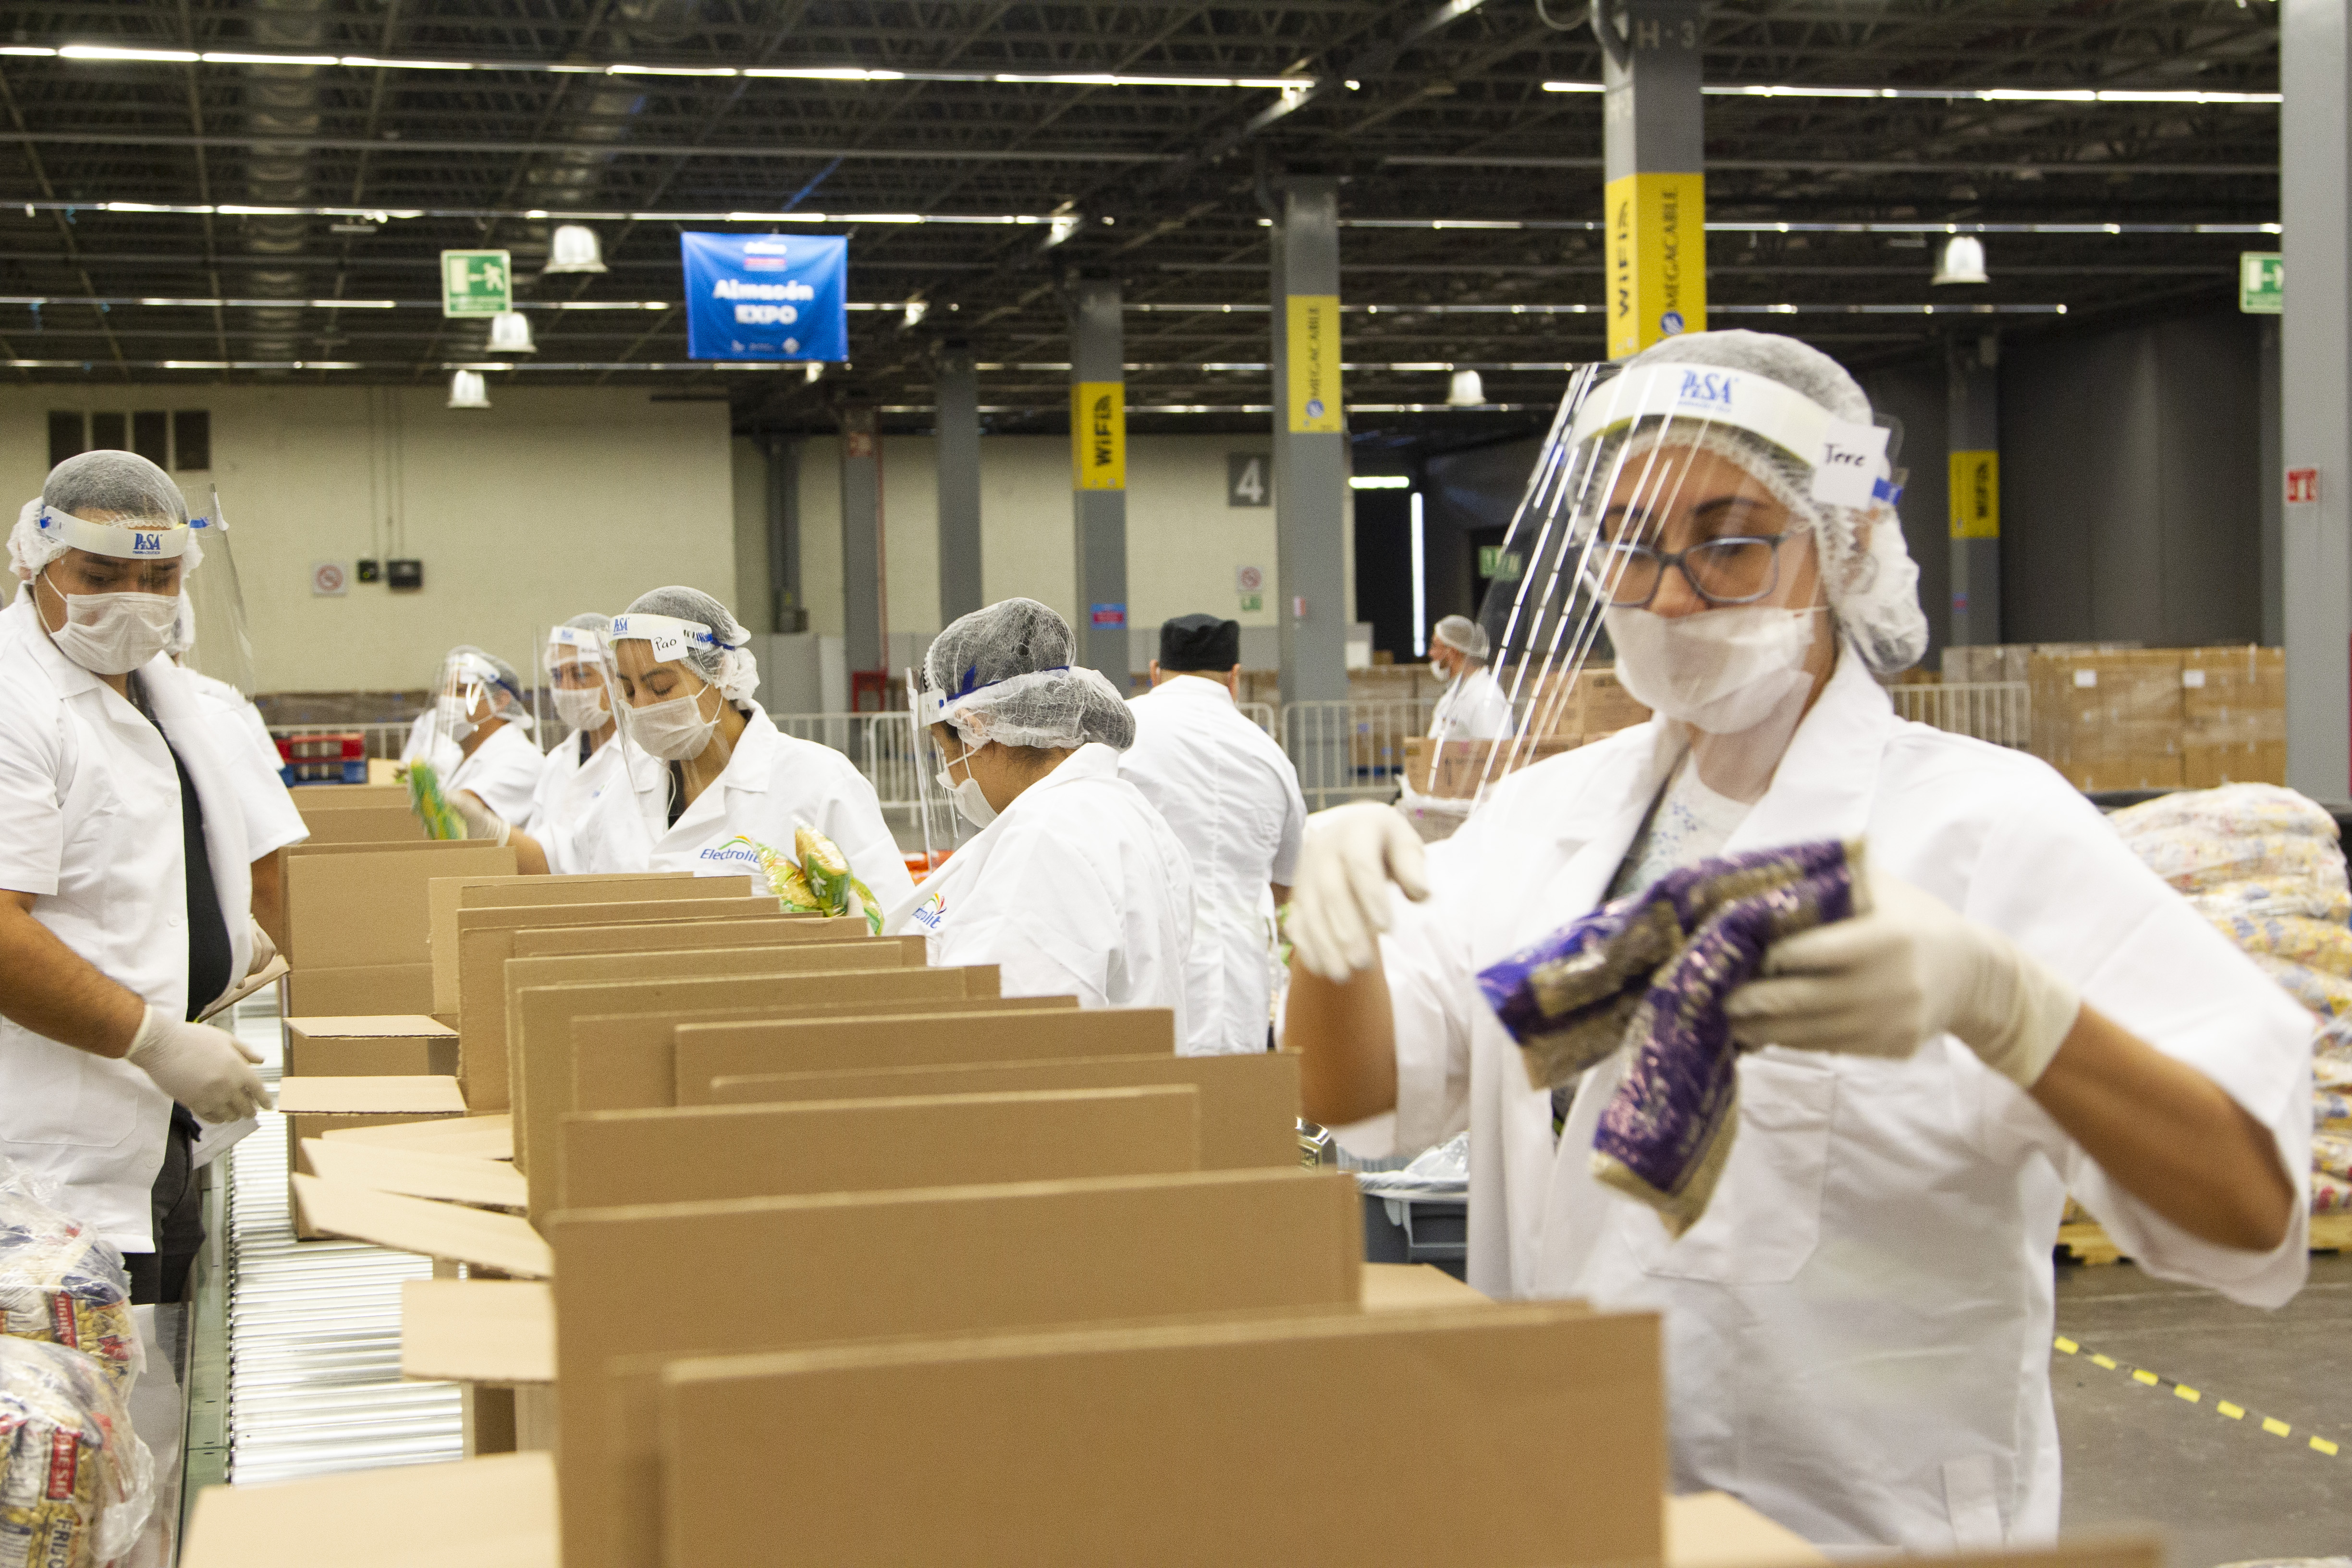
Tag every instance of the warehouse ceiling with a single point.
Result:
(1471, 194)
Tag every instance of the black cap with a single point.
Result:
(1199, 642)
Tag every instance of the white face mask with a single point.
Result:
(674, 730)
(581, 709)
(114, 633)
(1723, 671)
(971, 800)
(454, 716)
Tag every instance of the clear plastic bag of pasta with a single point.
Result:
(63, 1284)
(76, 1482)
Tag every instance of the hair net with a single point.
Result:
(469, 670)
(732, 668)
(1004, 674)
(601, 627)
(1463, 635)
(123, 484)
(1871, 581)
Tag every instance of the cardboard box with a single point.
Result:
(448, 895)
(314, 1106)
(707, 1051)
(498, 1331)
(402, 988)
(364, 824)
(1716, 1529)
(539, 1019)
(470, 1137)
(2233, 714)
(368, 909)
(657, 1281)
(504, 1243)
(1249, 1104)
(447, 1178)
(312, 798)
(489, 973)
(398, 1045)
(1455, 770)
(2110, 720)
(705, 1154)
(1181, 1445)
(494, 1512)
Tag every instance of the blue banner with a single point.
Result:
(766, 296)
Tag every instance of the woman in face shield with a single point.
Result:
(481, 735)
(1857, 1323)
(580, 678)
(1074, 884)
(698, 764)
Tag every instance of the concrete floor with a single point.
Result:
(2221, 1490)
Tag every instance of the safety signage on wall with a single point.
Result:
(1098, 434)
(327, 579)
(475, 283)
(2262, 283)
(1314, 364)
(766, 296)
(1976, 495)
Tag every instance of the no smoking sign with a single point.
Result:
(328, 580)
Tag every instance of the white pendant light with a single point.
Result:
(467, 390)
(511, 334)
(1962, 261)
(573, 248)
(1466, 390)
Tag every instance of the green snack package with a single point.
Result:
(824, 866)
(432, 806)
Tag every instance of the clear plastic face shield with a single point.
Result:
(576, 674)
(469, 694)
(111, 600)
(943, 829)
(1675, 517)
(212, 638)
(667, 709)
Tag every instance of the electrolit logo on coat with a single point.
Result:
(931, 911)
(731, 854)
(1710, 387)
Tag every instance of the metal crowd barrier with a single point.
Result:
(2000, 711)
(1352, 750)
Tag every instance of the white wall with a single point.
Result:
(552, 501)
(1183, 542)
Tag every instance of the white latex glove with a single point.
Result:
(205, 1069)
(1912, 968)
(480, 821)
(263, 950)
(1339, 903)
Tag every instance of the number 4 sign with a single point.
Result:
(1249, 479)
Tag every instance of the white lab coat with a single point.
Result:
(556, 771)
(1231, 797)
(242, 736)
(1474, 708)
(1858, 1330)
(1078, 889)
(503, 770)
(91, 828)
(772, 784)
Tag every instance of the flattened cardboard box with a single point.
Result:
(1179, 1445)
(398, 1045)
(708, 1051)
(314, 1106)
(772, 1273)
(539, 1031)
(446, 1178)
(368, 909)
(448, 895)
(629, 1061)
(477, 1238)
(470, 1137)
(713, 1153)
(492, 1512)
(1249, 1104)
(489, 979)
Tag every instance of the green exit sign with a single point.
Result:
(1498, 565)
(475, 283)
(2262, 283)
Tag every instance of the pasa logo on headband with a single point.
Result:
(1712, 388)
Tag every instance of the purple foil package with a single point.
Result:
(1652, 971)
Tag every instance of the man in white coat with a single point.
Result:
(114, 935)
(1230, 796)
(1473, 707)
(1857, 1326)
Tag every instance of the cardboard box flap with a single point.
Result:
(309, 798)
(656, 936)
(498, 1511)
(1409, 1287)
(470, 1137)
(449, 1178)
(478, 1331)
(707, 1051)
(1082, 1429)
(372, 988)
(498, 1241)
(622, 1157)
(1716, 1529)
(448, 894)
(368, 909)
(1249, 1104)
(370, 1096)
(372, 1026)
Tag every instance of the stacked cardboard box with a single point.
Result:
(1561, 715)
(2109, 720)
(2233, 712)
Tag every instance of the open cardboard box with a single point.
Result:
(314, 1106)
(707, 1153)
(448, 896)
(539, 1020)
(396, 1045)
(309, 798)
(1249, 1104)
(356, 923)
(451, 1178)
(365, 824)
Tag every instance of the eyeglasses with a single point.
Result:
(1739, 569)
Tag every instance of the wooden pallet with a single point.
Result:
(2085, 1241)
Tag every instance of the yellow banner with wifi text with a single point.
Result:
(1657, 253)
(1098, 436)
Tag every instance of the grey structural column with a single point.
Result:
(1310, 452)
(2315, 365)
(1972, 426)
(1099, 473)
(861, 541)
(2271, 470)
(1653, 156)
(785, 536)
(959, 482)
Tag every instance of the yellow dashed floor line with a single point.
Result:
(2181, 1391)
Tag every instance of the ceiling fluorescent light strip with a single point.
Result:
(1956, 94)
